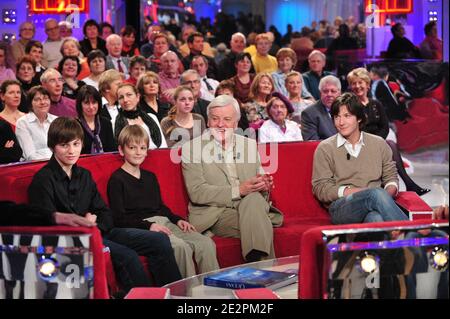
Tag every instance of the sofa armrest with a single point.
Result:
(414, 206)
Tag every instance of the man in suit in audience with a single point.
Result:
(208, 85)
(114, 59)
(192, 79)
(316, 122)
(195, 42)
(227, 187)
(316, 61)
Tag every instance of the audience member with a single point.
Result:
(431, 47)
(260, 93)
(25, 74)
(208, 85)
(96, 60)
(350, 168)
(278, 128)
(32, 128)
(227, 87)
(92, 40)
(10, 94)
(149, 90)
(107, 85)
(70, 67)
(27, 31)
(316, 122)
(192, 79)
(226, 68)
(181, 124)
(60, 105)
(317, 62)
(400, 47)
(195, 42)
(135, 198)
(232, 204)
(35, 50)
(161, 45)
(262, 61)
(52, 45)
(169, 77)
(129, 114)
(65, 28)
(114, 60)
(129, 48)
(63, 186)
(105, 30)
(71, 47)
(6, 73)
(98, 134)
(185, 50)
(243, 79)
(294, 85)
(138, 66)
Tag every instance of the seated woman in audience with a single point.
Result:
(71, 47)
(260, 91)
(135, 199)
(181, 125)
(69, 66)
(98, 132)
(149, 89)
(25, 73)
(130, 113)
(6, 73)
(138, 66)
(226, 87)
(294, 85)
(10, 95)
(97, 65)
(377, 122)
(243, 78)
(35, 50)
(32, 129)
(129, 46)
(92, 40)
(278, 128)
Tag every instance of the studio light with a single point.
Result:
(439, 258)
(48, 268)
(368, 262)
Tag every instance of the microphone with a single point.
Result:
(348, 156)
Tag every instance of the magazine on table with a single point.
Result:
(248, 277)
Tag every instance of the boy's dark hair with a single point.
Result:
(31, 44)
(64, 130)
(106, 25)
(87, 93)
(88, 23)
(69, 57)
(353, 105)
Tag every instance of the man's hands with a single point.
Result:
(74, 220)
(392, 190)
(186, 226)
(160, 229)
(352, 190)
(259, 183)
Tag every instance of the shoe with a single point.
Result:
(422, 191)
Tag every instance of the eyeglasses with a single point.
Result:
(52, 29)
(27, 29)
(192, 82)
(44, 98)
(54, 81)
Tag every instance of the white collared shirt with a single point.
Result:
(113, 111)
(205, 93)
(271, 132)
(354, 150)
(32, 136)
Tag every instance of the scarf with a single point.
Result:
(96, 146)
(121, 122)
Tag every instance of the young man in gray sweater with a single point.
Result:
(353, 174)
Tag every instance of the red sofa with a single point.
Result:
(292, 193)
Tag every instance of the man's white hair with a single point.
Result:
(318, 53)
(48, 73)
(222, 101)
(239, 34)
(329, 79)
(113, 37)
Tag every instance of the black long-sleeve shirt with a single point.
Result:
(132, 199)
(377, 120)
(51, 189)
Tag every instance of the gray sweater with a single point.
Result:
(373, 167)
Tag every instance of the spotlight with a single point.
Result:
(368, 262)
(48, 268)
(439, 259)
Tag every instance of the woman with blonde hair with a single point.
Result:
(71, 47)
(260, 91)
(294, 85)
(149, 89)
(181, 125)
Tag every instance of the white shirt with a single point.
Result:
(163, 139)
(91, 82)
(122, 64)
(32, 136)
(205, 93)
(353, 150)
(271, 132)
(113, 111)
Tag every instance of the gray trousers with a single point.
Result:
(189, 245)
(250, 221)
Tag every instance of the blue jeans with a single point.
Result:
(127, 244)
(367, 206)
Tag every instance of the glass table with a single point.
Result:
(193, 287)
